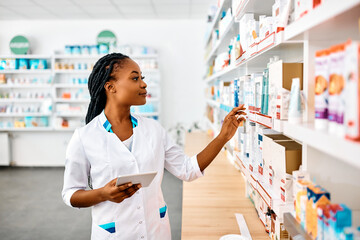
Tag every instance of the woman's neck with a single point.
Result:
(117, 114)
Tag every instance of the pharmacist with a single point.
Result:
(114, 143)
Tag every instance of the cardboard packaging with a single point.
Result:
(316, 196)
(280, 80)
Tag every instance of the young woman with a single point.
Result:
(114, 143)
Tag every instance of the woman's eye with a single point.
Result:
(142, 77)
(136, 78)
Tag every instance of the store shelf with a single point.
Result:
(213, 103)
(341, 148)
(221, 73)
(253, 6)
(68, 71)
(220, 41)
(27, 71)
(58, 85)
(259, 60)
(332, 20)
(64, 100)
(215, 20)
(294, 229)
(27, 129)
(70, 115)
(7, 86)
(23, 100)
(64, 129)
(24, 115)
(212, 126)
(27, 56)
(137, 56)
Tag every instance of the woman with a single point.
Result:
(114, 143)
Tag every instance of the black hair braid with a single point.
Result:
(97, 79)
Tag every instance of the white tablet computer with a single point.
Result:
(144, 178)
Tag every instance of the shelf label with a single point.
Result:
(19, 45)
(266, 42)
(264, 194)
(264, 120)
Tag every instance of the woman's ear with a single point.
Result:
(110, 87)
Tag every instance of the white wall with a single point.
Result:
(179, 43)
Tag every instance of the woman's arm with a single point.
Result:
(228, 129)
(110, 192)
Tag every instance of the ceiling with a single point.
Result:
(103, 9)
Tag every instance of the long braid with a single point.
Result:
(99, 76)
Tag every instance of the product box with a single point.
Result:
(267, 153)
(323, 215)
(301, 200)
(316, 196)
(282, 104)
(352, 75)
(340, 218)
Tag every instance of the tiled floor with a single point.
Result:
(31, 206)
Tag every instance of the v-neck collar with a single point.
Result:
(107, 125)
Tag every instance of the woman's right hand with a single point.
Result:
(117, 194)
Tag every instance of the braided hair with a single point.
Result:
(99, 76)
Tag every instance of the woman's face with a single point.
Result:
(128, 87)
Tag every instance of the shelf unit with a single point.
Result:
(62, 80)
(333, 162)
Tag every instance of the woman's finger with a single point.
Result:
(124, 186)
(236, 110)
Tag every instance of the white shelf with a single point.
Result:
(27, 71)
(331, 20)
(71, 71)
(27, 129)
(64, 129)
(23, 100)
(24, 115)
(213, 103)
(27, 56)
(144, 56)
(259, 60)
(137, 56)
(59, 85)
(7, 86)
(220, 41)
(253, 6)
(64, 56)
(215, 20)
(64, 100)
(70, 115)
(212, 126)
(338, 147)
(221, 73)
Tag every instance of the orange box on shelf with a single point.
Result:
(66, 95)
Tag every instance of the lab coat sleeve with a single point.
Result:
(178, 163)
(77, 168)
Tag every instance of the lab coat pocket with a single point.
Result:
(163, 211)
(103, 232)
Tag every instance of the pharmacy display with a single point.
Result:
(252, 59)
(42, 92)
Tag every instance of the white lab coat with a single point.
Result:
(96, 153)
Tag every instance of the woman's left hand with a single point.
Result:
(232, 122)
